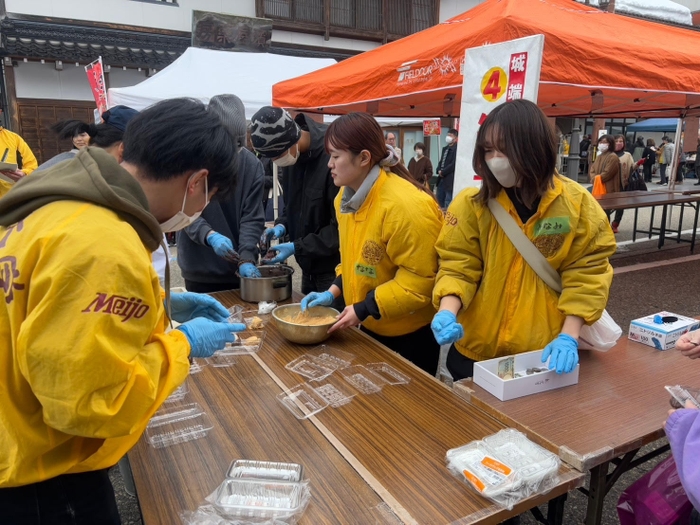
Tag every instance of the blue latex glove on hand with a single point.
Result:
(317, 299)
(206, 337)
(562, 354)
(445, 328)
(189, 305)
(248, 270)
(284, 252)
(222, 246)
(276, 232)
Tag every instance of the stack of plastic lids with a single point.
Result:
(177, 424)
(505, 467)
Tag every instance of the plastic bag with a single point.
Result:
(657, 498)
(601, 335)
(598, 187)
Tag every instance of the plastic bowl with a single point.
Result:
(303, 334)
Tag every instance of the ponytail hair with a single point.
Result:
(355, 132)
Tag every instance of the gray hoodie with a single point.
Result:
(240, 218)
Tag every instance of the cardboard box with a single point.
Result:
(661, 336)
(486, 376)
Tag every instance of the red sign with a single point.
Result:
(516, 77)
(96, 78)
(431, 127)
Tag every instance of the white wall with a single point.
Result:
(448, 8)
(693, 5)
(132, 12)
(37, 80)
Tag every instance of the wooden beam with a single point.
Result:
(11, 92)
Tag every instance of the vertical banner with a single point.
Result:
(493, 75)
(96, 78)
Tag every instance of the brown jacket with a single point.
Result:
(421, 169)
(607, 166)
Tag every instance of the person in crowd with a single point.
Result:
(85, 358)
(390, 138)
(607, 165)
(649, 156)
(629, 145)
(296, 145)
(420, 166)
(13, 150)
(665, 159)
(638, 151)
(683, 432)
(446, 169)
(491, 302)
(224, 240)
(388, 226)
(583, 146)
(626, 166)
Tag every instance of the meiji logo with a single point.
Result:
(118, 305)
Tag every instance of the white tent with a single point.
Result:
(203, 73)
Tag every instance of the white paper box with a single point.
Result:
(661, 336)
(486, 376)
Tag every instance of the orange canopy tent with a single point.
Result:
(595, 64)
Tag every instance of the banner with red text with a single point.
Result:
(96, 78)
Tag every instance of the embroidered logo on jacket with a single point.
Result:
(372, 252)
(118, 305)
(9, 273)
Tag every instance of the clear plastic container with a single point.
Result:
(682, 394)
(173, 425)
(235, 314)
(248, 342)
(179, 394)
(243, 498)
(222, 359)
(302, 401)
(363, 379)
(197, 365)
(388, 373)
(488, 474)
(531, 460)
(307, 366)
(335, 391)
(266, 470)
(332, 357)
(255, 321)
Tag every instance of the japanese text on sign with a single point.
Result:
(516, 77)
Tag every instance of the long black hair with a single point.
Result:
(68, 129)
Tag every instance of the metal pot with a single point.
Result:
(274, 285)
(303, 334)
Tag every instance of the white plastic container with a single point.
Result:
(486, 376)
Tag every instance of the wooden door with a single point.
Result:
(35, 117)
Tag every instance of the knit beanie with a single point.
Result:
(273, 131)
(231, 111)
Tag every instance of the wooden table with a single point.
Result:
(650, 199)
(381, 451)
(618, 405)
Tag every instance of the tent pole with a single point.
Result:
(672, 166)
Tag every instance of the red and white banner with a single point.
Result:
(96, 78)
(493, 75)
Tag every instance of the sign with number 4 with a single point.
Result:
(493, 75)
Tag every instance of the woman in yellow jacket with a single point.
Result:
(491, 303)
(388, 225)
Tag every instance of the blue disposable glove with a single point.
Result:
(317, 299)
(188, 305)
(206, 337)
(562, 354)
(284, 252)
(276, 232)
(248, 270)
(222, 246)
(445, 328)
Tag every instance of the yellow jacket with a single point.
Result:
(14, 144)
(88, 362)
(388, 246)
(506, 308)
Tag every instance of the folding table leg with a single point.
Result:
(634, 230)
(695, 228)
(680, 223)
(651, 223)
(662, 229)
(555, 510)
(596, 494)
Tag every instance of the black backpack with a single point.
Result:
(636, 182)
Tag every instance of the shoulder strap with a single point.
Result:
(529, 251)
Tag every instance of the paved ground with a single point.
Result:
(644, 282)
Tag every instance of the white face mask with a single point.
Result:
(449, 139)
(502, 170)
(181, 220)
(288, 159)
(602, 148)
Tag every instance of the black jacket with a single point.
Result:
(240, 218)
(309, 213)
(448, 159)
